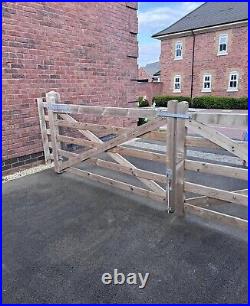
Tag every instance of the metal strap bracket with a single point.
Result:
(169, 173)
(165, 114)
(60, 108)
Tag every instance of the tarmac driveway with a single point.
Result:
(61, 233)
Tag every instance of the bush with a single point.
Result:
(220, 102)
(143, 102)
(162, 101)
(207, 102)
(141, 121)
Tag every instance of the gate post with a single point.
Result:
(43, 127)
(171, 155)
(54, 97)
(182, 108)
(175, 157)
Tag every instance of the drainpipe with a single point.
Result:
(192, 67)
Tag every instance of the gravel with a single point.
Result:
(25, 172)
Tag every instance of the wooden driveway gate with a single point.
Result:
(61, 126)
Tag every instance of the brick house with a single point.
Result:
(206, 52)
(149, 73)
(86, 51)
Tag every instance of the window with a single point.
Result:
(207, 83)
(177, 83)
(223, 42)
(178, 50)
(233, 81)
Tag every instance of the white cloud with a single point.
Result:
(164, 16)
(155, 20)
(149, 52)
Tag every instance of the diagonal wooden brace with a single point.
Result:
(219, 139)
(115, 156)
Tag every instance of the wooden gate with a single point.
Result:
(64, 125)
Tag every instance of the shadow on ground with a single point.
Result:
(61, 233)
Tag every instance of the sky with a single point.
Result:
(154, 17)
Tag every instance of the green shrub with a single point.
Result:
(143, 102)
(162, 101)
(206, 102)
(141, 121)
(219, 102)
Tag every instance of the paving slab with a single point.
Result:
(61, 233)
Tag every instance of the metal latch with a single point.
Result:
(169, 176)
(165, 114)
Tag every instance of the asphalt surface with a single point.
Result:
(61, 233)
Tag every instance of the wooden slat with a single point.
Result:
(216, 169)
(200, 200)
(106, 129)
(193, 141)
(121, 185)
(67, 154)
(117, 157)
(103, 111)
(155, 135)
(215, 193)
(242, 191)
(203, 200)
(43, 128)
(76, 141)
(139, 173)
(135, 132)
(157, 157)
(91, 126)
(53, 97)
(210, 215)
(220, 139)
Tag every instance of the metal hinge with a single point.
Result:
(165, 114)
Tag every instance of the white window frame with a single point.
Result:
(237, 81)
(179, 89)
(204, 89)
(224, 52)
(175, 49)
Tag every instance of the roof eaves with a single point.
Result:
(188, 31)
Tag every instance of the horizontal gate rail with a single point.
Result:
(216, 169)
(224, 195)
(211, 215)
(121, 185)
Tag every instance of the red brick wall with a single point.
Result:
(149, 89)
(142, 74)
(85, 51)
(206, 61)
(171, 67)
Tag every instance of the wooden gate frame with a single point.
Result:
(176, 161)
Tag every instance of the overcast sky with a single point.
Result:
(154, 17)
